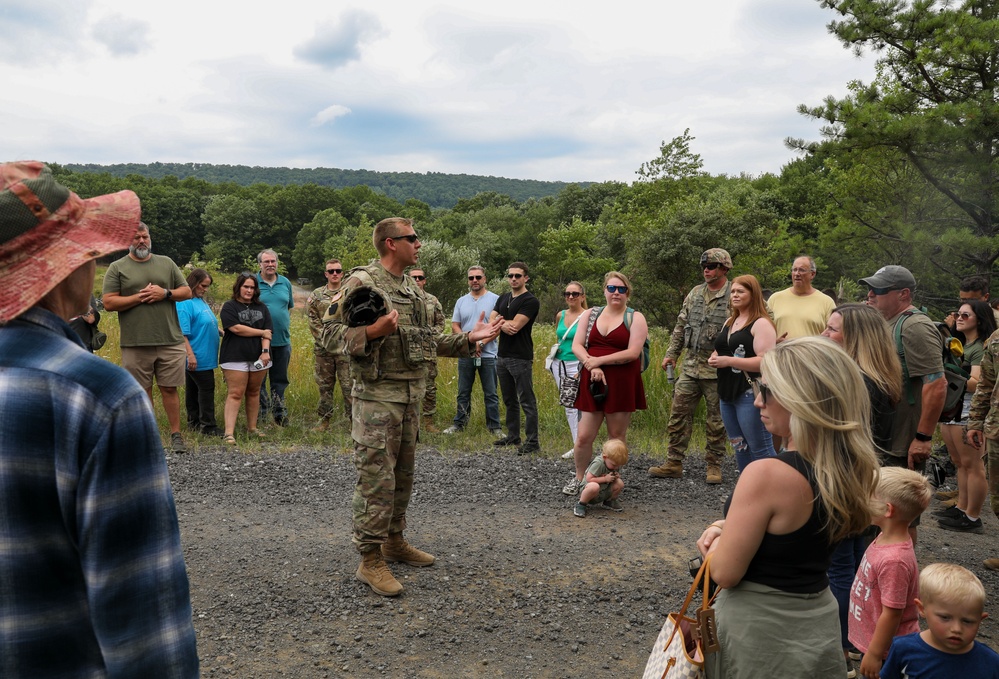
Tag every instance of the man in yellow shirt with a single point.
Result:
(801, 310)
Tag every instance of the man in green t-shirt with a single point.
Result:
(143, 288)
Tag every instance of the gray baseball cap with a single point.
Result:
(891, 276)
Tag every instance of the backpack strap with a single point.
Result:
(901, 354)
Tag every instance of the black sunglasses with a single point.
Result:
(882, 291)
(475, 278)
(712, 266)
(574, 295)
(333, 271)
(515, 275)
(623, 289)
(761, 390)
(411, 237)
(419, 278)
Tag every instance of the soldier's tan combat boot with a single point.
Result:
(377, 575)
(397, 549)
(673, 469)
(428, 425)
(714, 474)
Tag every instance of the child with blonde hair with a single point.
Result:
(883, 596)
(603, 479)
(952, 601)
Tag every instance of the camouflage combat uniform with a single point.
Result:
(430, 400)
(984, 414)
(330, 365)
(701, 318)
(389, 381)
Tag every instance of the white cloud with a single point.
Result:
(338, 43)
(121, 35)
(329, 114)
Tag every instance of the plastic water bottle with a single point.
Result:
(740, 352)
(670, 374)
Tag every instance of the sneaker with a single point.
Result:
(579, 510)
(177, 443)
(506, 441)
(962, 524)
(498, 433)
(855, 655)
(574, 486)
(948, 513)
(529, 449)
(851, 670)
(452, 430)
(613, 504)
(567, 455)
(281, 421)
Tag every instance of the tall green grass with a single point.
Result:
(646, 435)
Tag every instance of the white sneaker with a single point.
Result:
(567, 455)
(574, 486)
(451, 430)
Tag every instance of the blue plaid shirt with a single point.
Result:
(92, 577)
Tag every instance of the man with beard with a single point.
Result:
(143, 289)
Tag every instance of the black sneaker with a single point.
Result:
(506, 441)
(579, 510)
(949, 513)
(962, 524)
(529, 449)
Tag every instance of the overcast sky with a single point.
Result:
(532, 90)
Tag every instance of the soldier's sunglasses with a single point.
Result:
(419, 278)
(333, 271)
(711, 266)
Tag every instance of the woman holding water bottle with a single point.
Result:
(748, 334)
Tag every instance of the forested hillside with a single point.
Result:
(436, 189)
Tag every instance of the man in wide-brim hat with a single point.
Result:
(93, 574)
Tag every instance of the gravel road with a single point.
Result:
(521, 588)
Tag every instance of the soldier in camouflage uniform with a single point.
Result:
(389, 360)
(330, 365)
(702, 316)
(430, 400)
(983, 422)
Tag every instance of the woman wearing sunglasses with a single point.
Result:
(609, 348)
(975, 324)
(748, 334)
(565, 363)
(776, 616)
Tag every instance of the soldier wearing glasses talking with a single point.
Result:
(330, 365)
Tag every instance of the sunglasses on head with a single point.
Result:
(574, 295)
(711, 266)
(417, 277)
(623, 289)
(761, 390)
(475, 278)
(333, 271)
(411, 237)
(515, 275)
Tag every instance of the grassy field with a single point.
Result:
(647, 433)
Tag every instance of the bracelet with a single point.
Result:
(925, 438)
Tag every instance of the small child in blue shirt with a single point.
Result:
(603, 479)
(952, 601)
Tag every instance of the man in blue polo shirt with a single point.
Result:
(277, 296)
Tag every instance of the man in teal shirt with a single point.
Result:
(277, 295)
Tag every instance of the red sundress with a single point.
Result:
(626, 392)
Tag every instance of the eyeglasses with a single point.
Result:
(574, 295)
(761, 390)
(333, 271)
(802, 271)
(475, 278)
(711, 266)
(623, 289)
(411, 237)
(418, 277)
(882, 291)
(965, 315)
(515, 275)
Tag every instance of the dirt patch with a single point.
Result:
(521, 588)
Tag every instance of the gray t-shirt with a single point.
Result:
(466, 314)
(146, 325)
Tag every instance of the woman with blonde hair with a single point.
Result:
(776, 615)
(747, 335)
(565, 363)
(610, 351)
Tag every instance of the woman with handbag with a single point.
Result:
(610, 351)
(974, 325)
(562, 362)
(739, 347)
(776, 616)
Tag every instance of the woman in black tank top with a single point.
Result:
(772, 550)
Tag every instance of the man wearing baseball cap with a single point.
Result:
(890, 291)
(91, 566)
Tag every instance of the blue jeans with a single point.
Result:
(466, 378)
(516, 380)
(842, 570)
(277, 376)
(745, 430)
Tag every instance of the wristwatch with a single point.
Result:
(265, 351)
(169, 294)
(925, 438)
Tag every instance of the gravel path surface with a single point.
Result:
(521, 588)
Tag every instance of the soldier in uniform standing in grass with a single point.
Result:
(702, 316)
(330, 365)
(389, 357)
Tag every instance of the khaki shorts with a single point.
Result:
(165, 363)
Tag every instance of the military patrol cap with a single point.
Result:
(717, 256)
(364, 305)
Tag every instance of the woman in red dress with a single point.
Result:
(609, 355)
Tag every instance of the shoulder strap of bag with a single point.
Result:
(901, 354)
(569, 329)
(591, 323)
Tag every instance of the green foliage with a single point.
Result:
(233, 231)
(446, 267)
(326, 236)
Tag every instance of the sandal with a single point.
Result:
(229, 440)
(256, 432)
